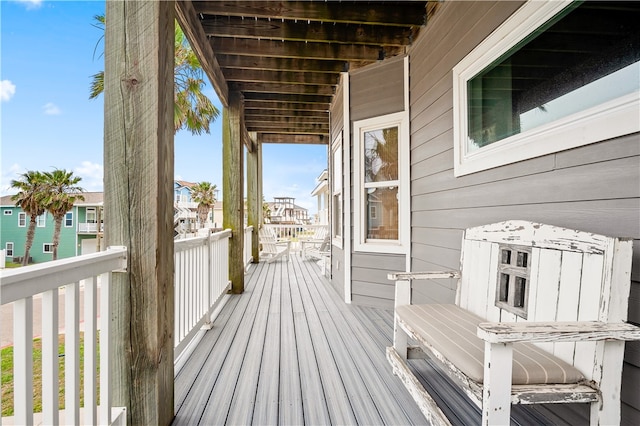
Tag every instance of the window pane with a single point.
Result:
(381, 155)
(382, 213)
(337, 215)
(586, 56)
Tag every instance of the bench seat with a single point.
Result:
(451, 331)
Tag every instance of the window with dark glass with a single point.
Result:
(587, 55)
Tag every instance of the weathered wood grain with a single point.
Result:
(138, 156)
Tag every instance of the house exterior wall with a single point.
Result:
(593, 188)
(11, 232)
(375, 90)
(337, 252)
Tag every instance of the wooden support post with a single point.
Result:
(138, 163)
(233, 188)
(254, 204)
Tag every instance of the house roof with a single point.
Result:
(184, 183)
(285, 58)
(90, 199)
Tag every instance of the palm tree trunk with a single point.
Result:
(56, 236)
(31, 232)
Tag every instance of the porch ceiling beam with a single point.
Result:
(275, 106)
(293, 138)
(314, 129)
(389, 13)
(308, 31)
(291, 77)
(190, 24)
(251, 114)
(302, 50)
(284, 88)
(290, 98)
(281, 64)
(275, 119)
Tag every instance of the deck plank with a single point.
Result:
(289, 351)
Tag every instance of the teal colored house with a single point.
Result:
(81, 230)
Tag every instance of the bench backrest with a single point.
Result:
(524, 271)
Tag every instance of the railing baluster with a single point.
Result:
(72, 353)
(90, 313)
(50, 361)
(105, 349)
(23, 360)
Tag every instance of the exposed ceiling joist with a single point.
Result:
(374, 13)
(286, 77)
(235, 27)
(295, 139)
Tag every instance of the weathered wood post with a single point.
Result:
(138, 163)
(233, 188)
(254, 204)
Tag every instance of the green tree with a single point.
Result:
(193, 110)
(29, 198)
(60, 194)
(204, 194)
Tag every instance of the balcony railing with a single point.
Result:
(296, 233)
(201, 282)
(20, 286)
(89, 228)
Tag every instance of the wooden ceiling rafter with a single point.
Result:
(286, 57)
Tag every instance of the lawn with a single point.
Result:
(7, 375)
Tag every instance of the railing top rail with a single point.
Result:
(187, 243)
(27, 281)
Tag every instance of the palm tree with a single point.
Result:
(60, 194)
(192, 109)
(29, 198)
(204, 194)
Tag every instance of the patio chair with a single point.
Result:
(315, 241)
(271, 249)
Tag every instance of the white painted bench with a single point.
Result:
(539, 317)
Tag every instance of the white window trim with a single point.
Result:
(44, 247)
(23, 216)
(608, 120)
(8, 212)
(65, 220)
(41, 221)
(337, 188)
(360, 243)
(9, 251)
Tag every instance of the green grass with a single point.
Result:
(9, 264)
(6, 359)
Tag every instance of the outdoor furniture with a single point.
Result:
(316, 240)
(539, 317)
(271, 248)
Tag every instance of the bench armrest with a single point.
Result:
(578, 331)
(406, 276)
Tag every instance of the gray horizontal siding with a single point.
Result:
(377, 89)
(594, 188)
(336, 113)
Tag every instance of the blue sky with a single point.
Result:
(47, 120)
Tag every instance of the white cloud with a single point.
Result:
(91, 174)
(7, 90)
(8, 175)
(51, 109)
(31, 4)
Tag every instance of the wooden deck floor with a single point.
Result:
(289, 351)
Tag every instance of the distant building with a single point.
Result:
(81, 231)
(321, 192)
(285, 211)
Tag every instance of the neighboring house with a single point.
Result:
(185, 210)
(285, 211)
(321, 192)
(551, 156)
(79, 234)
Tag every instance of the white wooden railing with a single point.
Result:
(201, 279)
(248, 257)
(295, 233)
(89, 228)
(19, 286)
